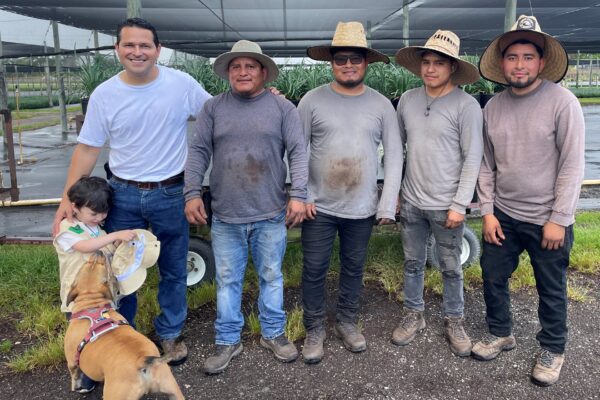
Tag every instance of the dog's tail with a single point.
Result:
(158, 378)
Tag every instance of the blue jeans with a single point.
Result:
(162, 210)
(318, 236)
(550, 271)
(266, 240)
(416, 225)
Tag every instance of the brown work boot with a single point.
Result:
(547, 369)
(490, 346)
(454, 331)
(351, 337)
(223, 355)
(282, 349)
(312, 352)
(174, 351)
(412, 323)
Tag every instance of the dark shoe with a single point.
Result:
(351, 337)
(217, 363)
(174, 351)
(283, 350)
(86, 384)
(406, 331)
(491, 346)
(454, 331)
(312, 352)
(547, 369)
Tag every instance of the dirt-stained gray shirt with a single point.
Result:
(344, 133)
(247, 139)
(533, 162)
(443, 149)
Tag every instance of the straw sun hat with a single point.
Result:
(347, 35)
(132, 258)
(245, 48)
(528, 28)
(444, 42)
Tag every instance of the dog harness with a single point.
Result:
(100, 323)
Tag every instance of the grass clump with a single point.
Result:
(253, 324)
(294, 328)
(5, 346)
(206, 293)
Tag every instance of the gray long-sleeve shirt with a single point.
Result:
(247, 139)
(443, 149)
(533, 160)
(344, 133)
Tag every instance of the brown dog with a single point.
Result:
(127, 361)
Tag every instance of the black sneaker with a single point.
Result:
(86, 384)
(224, 353)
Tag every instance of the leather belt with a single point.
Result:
(152, 185)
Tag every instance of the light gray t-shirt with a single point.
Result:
(344, 133)
(443, 150)
(534, 155)
(247, 140)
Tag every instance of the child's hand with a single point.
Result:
(125, 235)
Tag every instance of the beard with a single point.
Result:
(352, 83)
(520, 84)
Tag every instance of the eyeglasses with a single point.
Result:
(342, 60)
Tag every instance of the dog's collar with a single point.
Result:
(100, 323)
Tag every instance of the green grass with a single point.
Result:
(29, 286)
(589, 100)
(5, 346)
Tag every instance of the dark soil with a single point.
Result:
(423, 370)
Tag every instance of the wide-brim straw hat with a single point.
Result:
(132, 259)
(446, 43)
(528, 28)
(245, 48)
(348, 35)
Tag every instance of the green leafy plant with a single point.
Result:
(95, 71)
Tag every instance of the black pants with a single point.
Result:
(318, 236)
(550, 271)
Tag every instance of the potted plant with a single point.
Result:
(92, 73)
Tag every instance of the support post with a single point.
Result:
(48, 78)
(510, 14)
(61, 82)
(3, 92)
(577, 70)
(405, 24)
(134, 9)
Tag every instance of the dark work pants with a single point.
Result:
(318, 236)
(550, 271)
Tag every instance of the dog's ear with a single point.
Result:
(73, 293)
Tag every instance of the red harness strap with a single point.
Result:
(100, 323)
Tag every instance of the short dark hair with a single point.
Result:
(539, 50)
(137, 23)
(92, 192)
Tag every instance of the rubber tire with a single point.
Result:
(470, 243)
(200, 257)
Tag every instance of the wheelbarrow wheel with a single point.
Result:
(200, 262)
(469, 254)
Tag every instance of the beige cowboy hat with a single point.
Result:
(132, 259)
(245, 48)
(347, 35)
(528, 28)
(443, 42)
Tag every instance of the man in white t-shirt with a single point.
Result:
(142, 112)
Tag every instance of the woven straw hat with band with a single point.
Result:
(245, 48)
(528, 28)
(446, 43)
(347, 35)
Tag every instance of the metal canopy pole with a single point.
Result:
(61, 83)
(405, 24)
(134, 8)
(48, 78)
(510, 14)
(3, 92)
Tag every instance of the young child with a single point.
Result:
(90, 197)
